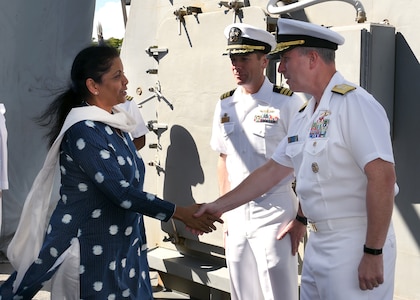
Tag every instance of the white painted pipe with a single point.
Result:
(272, 7)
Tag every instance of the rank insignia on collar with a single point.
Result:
(303, 106)
(342, 89)
(227, 94)
(282, 90)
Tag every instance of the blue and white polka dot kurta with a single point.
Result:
(102, 205)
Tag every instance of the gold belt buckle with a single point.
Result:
(312, 227)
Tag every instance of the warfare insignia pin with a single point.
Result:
(225, 118)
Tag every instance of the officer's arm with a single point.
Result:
(379, 203)
(222, 175)
(257, 183)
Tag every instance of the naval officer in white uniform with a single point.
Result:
(339, 147)
(249, 122)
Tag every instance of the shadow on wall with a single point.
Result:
(182, 171)
(406, 130)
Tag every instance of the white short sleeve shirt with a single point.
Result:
(330, 147)
(248, 128)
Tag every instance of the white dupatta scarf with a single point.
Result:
(24, 248)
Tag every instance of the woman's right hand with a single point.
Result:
(204, 223)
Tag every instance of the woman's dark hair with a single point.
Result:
(92, 62)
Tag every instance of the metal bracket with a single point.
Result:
(152, 71)
(158, 94)
(189, 10)
(236, 5)
(157, 165)
(156, 52)
(156, 127)
(185, 11)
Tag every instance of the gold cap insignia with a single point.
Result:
(234, 34)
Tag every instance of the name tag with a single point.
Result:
(292, 139)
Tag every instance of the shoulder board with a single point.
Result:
(227, 94)
(303, 106)
(343, 89)
(282, 90)
(129, 98)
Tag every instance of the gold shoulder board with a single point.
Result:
(282, 90)
(129, 98)
(303, 106)
(227, 94)
(343, 89)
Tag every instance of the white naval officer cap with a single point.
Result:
(294, 33)
(243, 38)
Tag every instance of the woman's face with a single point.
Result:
(113, 88)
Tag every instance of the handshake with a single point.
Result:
(199, 218)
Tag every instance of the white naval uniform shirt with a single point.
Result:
(329, 149)
(253, 126)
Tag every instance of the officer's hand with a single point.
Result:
(371, 271)
(296, 231)
(196, 224)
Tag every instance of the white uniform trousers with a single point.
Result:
(331, 260)
(274, 277)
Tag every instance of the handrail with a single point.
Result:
(272, 7)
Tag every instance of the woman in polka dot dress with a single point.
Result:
(95, 241)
